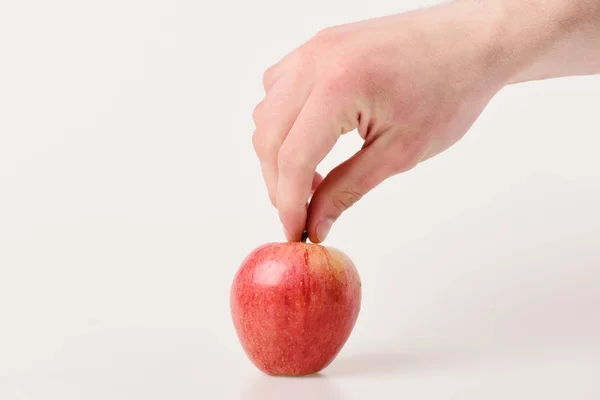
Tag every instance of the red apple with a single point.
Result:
(294, 306)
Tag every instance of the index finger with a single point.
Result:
(311, 138)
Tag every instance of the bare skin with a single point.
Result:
(411, 85)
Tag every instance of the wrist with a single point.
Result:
(542, 39)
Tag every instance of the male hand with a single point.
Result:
(410, 84)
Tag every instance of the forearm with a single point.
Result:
(542, 39)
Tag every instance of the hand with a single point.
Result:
(410, 84)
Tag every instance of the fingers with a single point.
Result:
(318, 178)
(274, 118)
(312, 136)
(350, 181)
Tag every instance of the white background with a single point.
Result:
(130, 193)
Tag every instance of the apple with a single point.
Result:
(294, 306)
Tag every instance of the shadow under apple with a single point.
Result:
(314, 387)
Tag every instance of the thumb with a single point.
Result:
(346, 184)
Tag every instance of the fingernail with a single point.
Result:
(323, 228)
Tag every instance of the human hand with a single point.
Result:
(411, 84)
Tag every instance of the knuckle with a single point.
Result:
(317, 48)
(324, 31)
(258, 113)
(326, 36)
(338, 78)
(305, 56)
(269, 77)
(346, 199)
(319, 44)
(288, 160)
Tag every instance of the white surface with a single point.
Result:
(129, 194)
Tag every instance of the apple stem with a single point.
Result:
(304, 237)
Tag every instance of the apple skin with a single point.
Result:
(294, 306)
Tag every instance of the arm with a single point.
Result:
(551, 38)
(411, 85)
